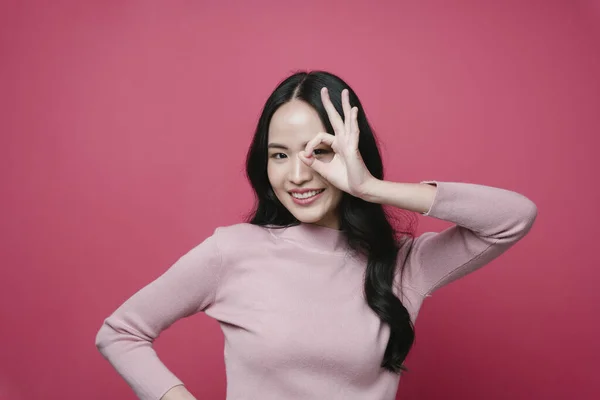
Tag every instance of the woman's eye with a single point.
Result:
(317, 152)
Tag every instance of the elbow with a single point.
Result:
(531, 213)
(101, 337)
(114, 335)
(519, 223)
(528, 217)
(104, 336)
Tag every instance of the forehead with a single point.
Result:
(294, 123)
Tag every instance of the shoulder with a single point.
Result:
(242, 241)
(243, 228)
(241, 233)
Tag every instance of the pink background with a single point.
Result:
(123, 131)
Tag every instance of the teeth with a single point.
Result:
(307, 194)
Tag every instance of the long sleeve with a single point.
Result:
(125, 338)
(488, 221)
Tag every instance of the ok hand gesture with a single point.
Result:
(347, 170)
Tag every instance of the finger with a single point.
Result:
(306, 160)
(322, 137)
(354, 126)
(334, 117)
(312, 162)
(347, 109)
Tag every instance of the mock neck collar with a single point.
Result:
(314, 237)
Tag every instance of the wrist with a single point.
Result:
(370, 189)
(178, 392)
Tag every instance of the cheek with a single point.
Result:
(337, 197)
(274, 176)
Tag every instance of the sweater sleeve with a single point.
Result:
(488, 221)
(125, 338)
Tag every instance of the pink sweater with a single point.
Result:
(290, 301)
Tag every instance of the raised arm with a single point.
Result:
(126, 336)
(488, 221)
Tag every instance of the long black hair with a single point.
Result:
(366, 225)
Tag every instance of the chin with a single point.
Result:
(320, 216)
(308, 218)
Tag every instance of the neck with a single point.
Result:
(315, 237)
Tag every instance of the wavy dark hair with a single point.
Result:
(367, 225)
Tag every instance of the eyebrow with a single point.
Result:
(282, 146)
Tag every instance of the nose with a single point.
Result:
(299, 172)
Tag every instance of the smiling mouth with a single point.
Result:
(307, 195)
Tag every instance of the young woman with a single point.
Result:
(316, 294)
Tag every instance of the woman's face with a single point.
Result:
(291, 127)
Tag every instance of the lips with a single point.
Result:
(307, 200)
(300, 191)
(305, 192)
